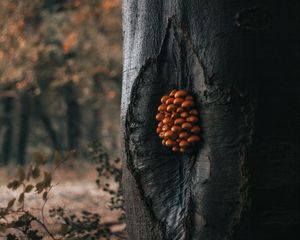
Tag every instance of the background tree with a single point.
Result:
(240, 59)
(53, 50)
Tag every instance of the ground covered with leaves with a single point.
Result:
(78, 203)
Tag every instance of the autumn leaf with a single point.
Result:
(10, 203)
(14, 184)
(107, 5)
(45, 183)
(45, 194)
(28, 188)
(47, 179)
(70, 41)
(21, 198)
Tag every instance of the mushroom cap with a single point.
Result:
(178, 121)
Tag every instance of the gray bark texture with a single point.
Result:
(240, 60)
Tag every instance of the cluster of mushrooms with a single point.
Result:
(178, 121)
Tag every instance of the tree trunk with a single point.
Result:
(25, 110)
(8, 103)
(45, 119)
(96, 119)
(240, 59)
(73, 116)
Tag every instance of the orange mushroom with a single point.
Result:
(187, 104)
(178, 121)
(180, 93)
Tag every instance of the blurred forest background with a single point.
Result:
(60, 86)
(60, 76)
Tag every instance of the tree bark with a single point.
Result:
(96, 119)
(45, 119)
(73, 116)
(240, 60)
(8, 108)
(25, 110)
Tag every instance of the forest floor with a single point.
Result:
(75, 190)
